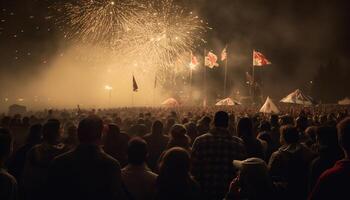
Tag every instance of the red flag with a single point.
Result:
(194, 61)
(211, 60)
(259, 59)
(224, 54)
(135, 87)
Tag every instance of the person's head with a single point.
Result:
(178, 130)
(344, 135)
(245, 127)
(264, 126)
(90, 130)
(274, 120)
(311, 133)
(52, 131)
(205, 120)
(221, 119)
(289, 134)
(301, 123)
(157, 128)
(5, 144)
(326, 137)
(35, 134)
(113, 130)
(254, 179)
(175, 164)
(137, 151)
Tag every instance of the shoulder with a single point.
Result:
(7, 179)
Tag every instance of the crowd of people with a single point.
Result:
(182, 153)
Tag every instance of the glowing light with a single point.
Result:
(108, 87)
(20, 99)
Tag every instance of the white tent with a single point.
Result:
(298, 97)
(227, 102)
(171, 102)
(269, 107)
(345, 101)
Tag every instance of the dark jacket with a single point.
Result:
(289, 165)
(85, 173)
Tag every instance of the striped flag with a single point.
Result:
(224, 54)
(211, 60)
(259, 59)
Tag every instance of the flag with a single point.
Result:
(259, 59)
(249, 78)
(224, 54)
(134, 84)
(211, 60)
(194, 61)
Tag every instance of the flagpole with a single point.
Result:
(205, 79)
(225, 79)
(253, 84)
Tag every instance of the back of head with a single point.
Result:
(221, 119)
(157, 128)
(289, 134)
(35, 134)
(344, 134)
(178, 131)
(274, 120)
(175, 164)
(245, 127)
(113, 131)
(5, 143)
(137, 151)
(264, 126)
(90, 129)
(51, 131)
(327, 136)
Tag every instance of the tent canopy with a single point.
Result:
(269, 107)
(227, 102)
(298, 97)
(345, 101)
(171, 102)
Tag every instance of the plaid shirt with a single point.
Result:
(212, 166)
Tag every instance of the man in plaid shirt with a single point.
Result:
(212, 156)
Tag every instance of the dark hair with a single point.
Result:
(290, 134)
(264, 126)
(5, 143)
(35, 134)
(137, 151)
(157, 128)
(245, 127)
(221, 119)
(344, 133)
(90, 129)
(327, 136)
(174, 166)
(51, 131)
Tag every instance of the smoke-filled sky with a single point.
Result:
(297, 37)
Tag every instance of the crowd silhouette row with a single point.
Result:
(157, 153)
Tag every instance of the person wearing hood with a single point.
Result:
(289, 165)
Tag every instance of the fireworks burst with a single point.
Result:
(158, 35)
(99, 22)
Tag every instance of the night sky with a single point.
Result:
(297, 36)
